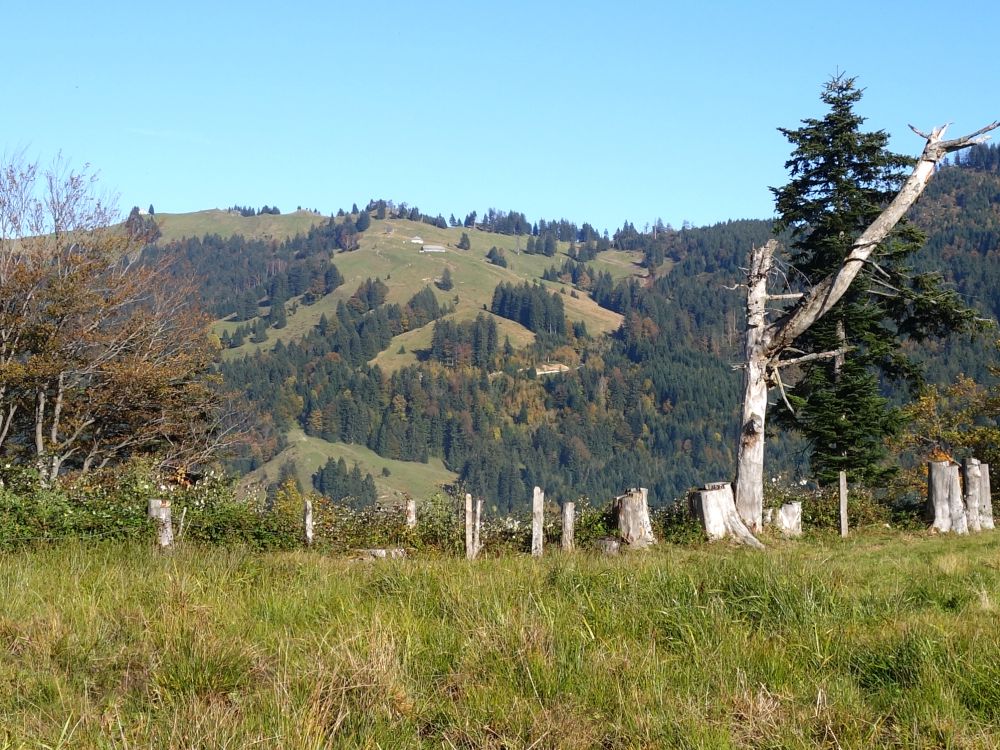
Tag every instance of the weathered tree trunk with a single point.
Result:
(634, 526)
(750, 454)
(411, 513)
(159, 510)
(985, 499)
(307, 522)
(568, 521)
(972, 476)
(537, 522)
(956, 502)
(715, 508)
(843, 503)
(766, 343)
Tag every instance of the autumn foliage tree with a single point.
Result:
(101, 358)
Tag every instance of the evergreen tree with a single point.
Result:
(841, 178)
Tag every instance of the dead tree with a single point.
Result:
(985, 498)
(945, 506)
(473, 525)
(159, 510)
(766, 344)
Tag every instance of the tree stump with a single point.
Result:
(568, 521)
(159, 510)
(715, 507)
(607, 545)
(537, 522)
(985, 498)
(788, 519)
(634, 526)
(945, 507)
(972, 475)
(382, 553)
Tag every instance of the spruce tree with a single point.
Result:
(841, 178)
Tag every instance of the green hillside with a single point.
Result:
(228, 223)
(310, 453)
(387, 252)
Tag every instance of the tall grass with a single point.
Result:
(877, 642)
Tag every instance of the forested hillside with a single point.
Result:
(584, 363)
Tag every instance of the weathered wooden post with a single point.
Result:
(470, 548)
(972, 475)
(307, 521)
(411, 513)
(715, 507)
(945, 507)
(985, 498)
(159, 510)
(843, 503)
(477, 524)
(537, 522)
(568, 520)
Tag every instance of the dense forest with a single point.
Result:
(652, 404)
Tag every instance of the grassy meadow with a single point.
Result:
(877, 641)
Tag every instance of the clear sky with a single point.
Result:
(591, 111)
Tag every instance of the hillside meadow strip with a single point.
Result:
(877, 641)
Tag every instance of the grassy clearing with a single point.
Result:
(310, 453)
(225, 224)
(871, 643)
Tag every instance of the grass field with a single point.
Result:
(310, 453)
(876, 642)
(225, 224)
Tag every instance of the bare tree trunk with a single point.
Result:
(985, 499)
(750, 455)
(973, 477)
(715, 508)
(956, 502)
(411, 513)
(634, 526)
(843, 503)
(537, 522)
(568, 521)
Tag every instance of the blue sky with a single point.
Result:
(591, 111)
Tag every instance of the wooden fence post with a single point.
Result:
(159, 510)
(985, 499)
(470, 550)
(307, 521)
(568, 522)
(843, 503)
(537, 521)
